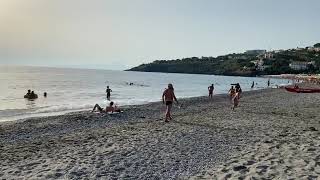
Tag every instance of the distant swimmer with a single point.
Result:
(252, 85)
(108, 91)
(268, 83)
(168, 97)
(45, 94)
(28, 94)
(108, 109)
(33, 95)
(210, 89)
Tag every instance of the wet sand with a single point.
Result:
(272, 134)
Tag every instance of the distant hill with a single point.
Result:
(250, 63)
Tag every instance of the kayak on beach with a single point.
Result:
(302, 90)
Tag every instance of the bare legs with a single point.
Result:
(168, 113)
(96, 107)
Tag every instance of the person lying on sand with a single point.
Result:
(167, 98)
(108, 109)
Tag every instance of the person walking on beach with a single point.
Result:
(238, 90)
(167, 98)
(235, 100)
(108, 91)
(231, 92)
(210, 89)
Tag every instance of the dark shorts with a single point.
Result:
(108, 94)
(210, 92)
(168, 103)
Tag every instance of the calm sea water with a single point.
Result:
(79, 89)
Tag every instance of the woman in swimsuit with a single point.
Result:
(235, 100)
(167, 98)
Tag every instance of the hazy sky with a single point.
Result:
(117, 34)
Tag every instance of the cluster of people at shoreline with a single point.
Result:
(168, 98)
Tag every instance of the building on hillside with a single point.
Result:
(268, 55)
(255, 52)
(299, 65)
(259, 64)
(316, 49)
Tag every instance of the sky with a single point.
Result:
(119, 34)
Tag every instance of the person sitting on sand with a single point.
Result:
(167, 98)
(28, 94)
(109, 108)
(210, 89)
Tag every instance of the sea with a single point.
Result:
(70, 90)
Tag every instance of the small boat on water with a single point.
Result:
(302, 90)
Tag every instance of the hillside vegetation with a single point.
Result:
(243, 64)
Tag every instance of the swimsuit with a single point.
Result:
(168, 103)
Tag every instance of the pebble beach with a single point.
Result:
(273, 134)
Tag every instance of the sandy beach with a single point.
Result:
(273, 134)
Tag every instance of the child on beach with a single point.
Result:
(167, 98)
(210, 89)
(108, 91)
(109, 108)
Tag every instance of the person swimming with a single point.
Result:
(168, 97)
(108, 109)
(33, 95)
(28, 94)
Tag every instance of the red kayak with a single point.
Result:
(302, 90)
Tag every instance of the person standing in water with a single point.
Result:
(108, 91)
(268, 82)
(210, 89)
(168, 97)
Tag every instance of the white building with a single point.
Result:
(256, 52)
(298, 65)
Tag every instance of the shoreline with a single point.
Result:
(52, 114)
(137, 144)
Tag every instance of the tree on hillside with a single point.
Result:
(317, 45)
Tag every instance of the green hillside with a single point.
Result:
(243, 64)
